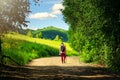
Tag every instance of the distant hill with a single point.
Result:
(49, 33)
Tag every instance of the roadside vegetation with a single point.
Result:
(23, 49)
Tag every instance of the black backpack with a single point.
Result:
(62, 48)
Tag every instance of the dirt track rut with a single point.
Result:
(52, 69)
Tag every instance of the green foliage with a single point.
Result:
(23, 51)
(53, 28)
(57, 38)
(29, 33)
(51, 33)
(39, 35)
(94, 30)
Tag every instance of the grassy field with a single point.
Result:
(51, 43)
(23, 49)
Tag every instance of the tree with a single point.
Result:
(12, 16)
(0, 46)
(29, 33)
(57, 38)
(94, 29)
(39, 35)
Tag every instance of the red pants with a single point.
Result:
(63, 57)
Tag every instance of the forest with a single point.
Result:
(49, 32)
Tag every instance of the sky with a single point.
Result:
(46, 14)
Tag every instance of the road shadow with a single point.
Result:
(57, 73)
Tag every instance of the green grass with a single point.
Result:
(23, 49)
(51, 43)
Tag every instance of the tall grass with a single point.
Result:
(23, 51)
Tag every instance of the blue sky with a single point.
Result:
(46, 14)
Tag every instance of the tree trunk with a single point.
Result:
(0, 49)
(0, 46)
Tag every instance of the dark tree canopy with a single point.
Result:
(94, 29)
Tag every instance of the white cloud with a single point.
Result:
(42, 15)
(56, 9)
(52, 1)
(57, 6)
(30, 27)
(56, 12)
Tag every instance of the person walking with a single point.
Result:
(62, 52)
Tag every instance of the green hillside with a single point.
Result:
(51, 32)
(23, 48)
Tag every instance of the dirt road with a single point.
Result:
(52, 69)
(56, 61)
